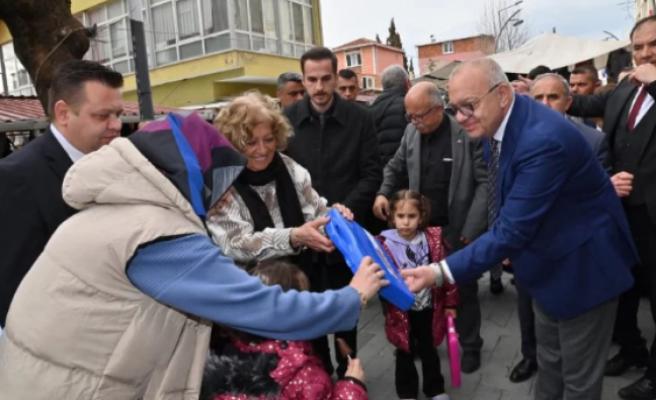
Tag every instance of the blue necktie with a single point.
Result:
(492, 204)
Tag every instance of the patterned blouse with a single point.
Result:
(232, 227)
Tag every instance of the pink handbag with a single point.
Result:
(454, 352)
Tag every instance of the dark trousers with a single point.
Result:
(336, 276)
(526, 322)
(626, 333)
(468, 323)
(407, 379)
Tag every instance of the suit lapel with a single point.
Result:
(414, 163)
(624, 94)
(57, 158)
(513, 129)
(644, 131)
(458, 155)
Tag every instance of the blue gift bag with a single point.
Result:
(355, 243)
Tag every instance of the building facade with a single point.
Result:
(644, 8)
(434, 55)
(199, 51)
(368, 59)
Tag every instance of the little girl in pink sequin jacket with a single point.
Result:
(250, 368)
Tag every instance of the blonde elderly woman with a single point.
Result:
(273, 211)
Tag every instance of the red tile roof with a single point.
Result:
(363, 42)
(22, 108)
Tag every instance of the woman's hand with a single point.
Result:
(355, 370)
(369, 279)
(344, 211)
(308, 235)
(450, 311)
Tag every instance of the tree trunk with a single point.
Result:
(37, 27)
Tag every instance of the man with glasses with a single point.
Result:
(439, 161)
(558, 218)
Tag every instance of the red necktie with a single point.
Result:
(633, 116)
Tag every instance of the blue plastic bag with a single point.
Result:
(355, 243)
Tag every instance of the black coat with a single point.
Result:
(389, 116)
(341, 154)
(614, 106)
(31, 209)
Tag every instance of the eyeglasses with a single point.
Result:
(420, 117)
(467, 109)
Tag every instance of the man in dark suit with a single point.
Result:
(553, 91)
(559, 221)
(335, 140)
(440, 162)
(85, 108)
(630, 121)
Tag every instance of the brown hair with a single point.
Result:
(281, 273)
(420, 201)
(319, 54)
(70, 78)
(237, 120)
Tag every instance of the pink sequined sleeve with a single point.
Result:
(311, 383)
(348, 390)
(452, 297)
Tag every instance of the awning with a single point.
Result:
(556, 51)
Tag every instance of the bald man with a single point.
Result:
(559, 220)
(444, 165)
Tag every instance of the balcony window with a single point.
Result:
(368, 83)
(447, 47)
(215, 16)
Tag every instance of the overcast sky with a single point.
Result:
(416, 20)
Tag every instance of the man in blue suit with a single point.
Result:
(559, 220)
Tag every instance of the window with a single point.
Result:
(447, 47)
(297, 26)
(188, 23)
(18, 80)
(113, 45)
(353, 59)
(368, 83)
(215, 16)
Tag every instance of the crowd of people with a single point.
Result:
(189, 259)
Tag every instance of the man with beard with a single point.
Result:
(335, 140)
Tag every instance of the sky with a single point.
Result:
(416, 20)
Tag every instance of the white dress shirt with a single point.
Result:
(646, 105)
(498, 136)
(72, 152)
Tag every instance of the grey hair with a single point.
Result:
(394, 77)
(283, 79)
(567, 89)
(434, 95)
(493, 71)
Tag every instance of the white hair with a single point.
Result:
(566, 88)
(394, 77)
(492, 70)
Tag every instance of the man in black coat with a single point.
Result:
(85, 108)
(389, 111)
(630, 122)
(335, 140)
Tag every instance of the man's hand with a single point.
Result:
(643, 74)
(308, 235)
(381, 207)
(522, 86)
(506, 262)
(450, 311)
(345, 211)
(623, 182)
(418, 279)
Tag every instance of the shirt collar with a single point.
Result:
(74, 154)
(498, 136)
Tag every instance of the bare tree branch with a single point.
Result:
(492, 23)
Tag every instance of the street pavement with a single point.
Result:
(501, 351)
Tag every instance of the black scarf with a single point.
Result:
(290, 206)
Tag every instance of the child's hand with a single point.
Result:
(451, 311)
(355, 370)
